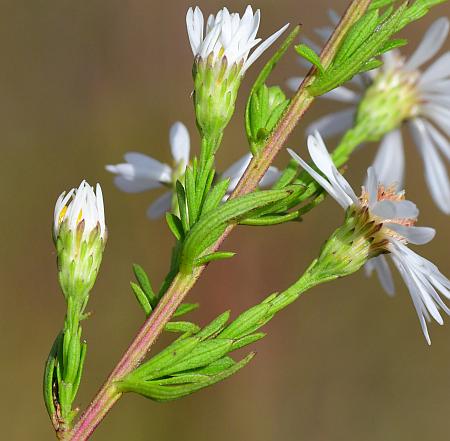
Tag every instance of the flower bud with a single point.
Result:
(80, 234)
(392, 99)
(351, 245)
(265, 108)
(221, 58)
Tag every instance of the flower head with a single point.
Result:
(141, 172)
(401, 92)
(80, 234)
(80, 209)
(382, 222)
(228, 38)
(222, 56)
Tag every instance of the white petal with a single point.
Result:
(343, 95)
(180, 143)
(430, 45)
(135, 185)
(415, 295)
(272, 175)
(265, 45)
(389, 161)
(380, 265)
(334, 17)
(395, 210)
(435, 172)
(334, 123)
(414, 235)
(372, 186)
(324, 183)
(440, 140)
(160, 206)
(439, 115)
(236, 170)
(294, 83)
(440, 69)
(146, 167)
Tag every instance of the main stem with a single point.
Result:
(181, 285)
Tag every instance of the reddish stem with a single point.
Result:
(181, 285)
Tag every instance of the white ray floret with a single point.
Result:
(396, 216)
(428, 119)
(141, 172)
(80, 205)
(228, 36)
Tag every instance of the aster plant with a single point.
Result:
(203, 206)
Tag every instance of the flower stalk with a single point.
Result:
(181, 284)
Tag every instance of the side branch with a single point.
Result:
(181, 285)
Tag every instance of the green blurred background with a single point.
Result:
(81, 83)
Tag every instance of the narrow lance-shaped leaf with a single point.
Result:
(209, 226)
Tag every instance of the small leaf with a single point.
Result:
(215, 196)
(185, 308)
(215, 326)
(393, 44)
(157, 392)
(217, 366)
(247, 340)
(308, 54)
(175, 225)
(266, 71)
(166, 358)
(247, 322)
(203, 354)
(218, 255)
(144, 283)
(211, 225)
(182, 327)
(141, 298)
(49, 377)
(182, 205)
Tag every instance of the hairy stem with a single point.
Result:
(181, 285)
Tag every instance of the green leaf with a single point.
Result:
(185, 308)
(175, 225)
(215, 196)
(393, 44)
(211, 225)
(247, 340)
(191, 196)
(269, 220)
(182, 205)
(214, 327)
(182, 327)
(216, 366)
(248, 321)
(50, 385)
(166, 358)
(218, 255)
(203, 354)
(369, 37)
(77, 381)
(141, 298)
(309, 55)
(266, 71)
(144, 283)
(158, 392)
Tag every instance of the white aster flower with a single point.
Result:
(391, 220)
(227, 37)
(141, 172)
(81, 209)
(400, 92)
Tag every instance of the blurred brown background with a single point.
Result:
(83, 82)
